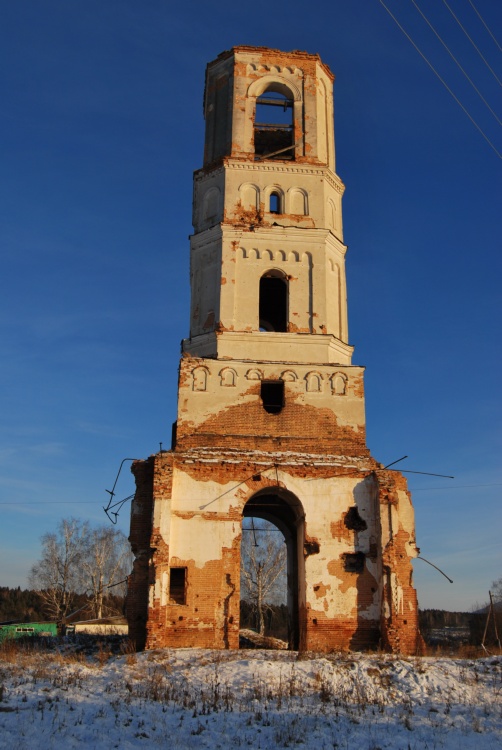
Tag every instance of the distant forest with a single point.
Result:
(24, 605)
(439, 627)
(436, 625)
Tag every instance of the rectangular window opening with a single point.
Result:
(353, 563)
(177, 585)
(272, 395)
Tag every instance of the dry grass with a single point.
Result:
(201, 686)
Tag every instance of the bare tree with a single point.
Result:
(79, 560)
(106, 562)
(263, 563)
(57, 575)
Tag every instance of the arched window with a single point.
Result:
(275, 203)
(273, 126)
(273, 312)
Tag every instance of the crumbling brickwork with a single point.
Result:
(271, 420)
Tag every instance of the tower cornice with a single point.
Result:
(288, 348)
(270, 55)
(276, 167)
(272, 233)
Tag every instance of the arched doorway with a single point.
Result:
(285, 511)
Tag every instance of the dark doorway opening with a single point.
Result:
(273, 310)
(280, 516)
(177, 585)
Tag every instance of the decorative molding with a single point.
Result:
(338, 384)
(289, 376)
(199, 378)
(279, 256)
(228, 377)
(253, 68)
(254, 374)
(291, 168)
(314, 382)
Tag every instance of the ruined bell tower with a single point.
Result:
(271, 419)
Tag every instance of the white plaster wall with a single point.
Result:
(201, 528)
(326, 503)
(205, 281)
(195, 405)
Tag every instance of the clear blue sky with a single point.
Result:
(101, 128)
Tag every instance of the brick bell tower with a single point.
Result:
(270, 417)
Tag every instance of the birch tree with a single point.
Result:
(106, 562)
(57, 575)
(263, 568)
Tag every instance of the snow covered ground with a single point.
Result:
(249, 699)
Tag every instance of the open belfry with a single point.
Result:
(270, 420)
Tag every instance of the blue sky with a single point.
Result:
(101, 129)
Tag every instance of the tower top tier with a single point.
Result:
(263, 104)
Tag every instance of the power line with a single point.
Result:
(473, 44)
(441, 79)
(456, 487)
(484, 24)
(87, 502)
(478, 92)
(48, 502)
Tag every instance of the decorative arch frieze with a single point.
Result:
(297, 202)
(228, 377)
(199, 378)
(253, 68)
(289, 376)
(314, 382)
(251, 253)
(249, 195)
(339, 384)
(254, 374)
